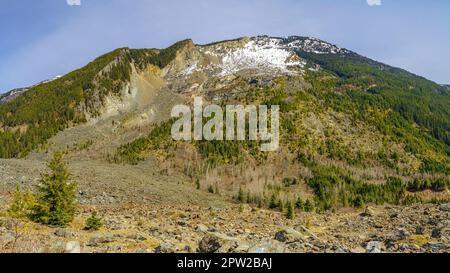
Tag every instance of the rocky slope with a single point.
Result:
(175, 228)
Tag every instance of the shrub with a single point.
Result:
(290, 214)
(308, 206)
(299, 204)
(274, 202)
(56, 196)
(22, 204)
(93, 223)
(241, 196)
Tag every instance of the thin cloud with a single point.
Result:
(374, 2)
(73, 2)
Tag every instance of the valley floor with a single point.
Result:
(144, 211)
(167, 229)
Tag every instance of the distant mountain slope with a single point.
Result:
(10, 95)
(398, 103)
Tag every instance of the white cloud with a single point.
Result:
(74, 2)
(374, 2)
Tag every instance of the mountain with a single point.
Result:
(12, 94)
(446, 86)
(353, 130)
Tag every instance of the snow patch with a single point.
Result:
(265, 54)
(316, 46)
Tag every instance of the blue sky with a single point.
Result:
(45, 38)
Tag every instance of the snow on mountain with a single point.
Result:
(313, 45)
(261, 53)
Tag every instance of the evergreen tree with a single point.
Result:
(299, 204)
(290, 214)
(93, 222)
(241, 196)
(308, 207)
(56, 197)
(274, 202)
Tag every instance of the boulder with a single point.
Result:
(445, 207)
(401, 234)
(420, 230)
(96, 240)
(436, 233)
(289, 235)
(73, 247)
(368, 212)
(165, 247)
(209, 244)
(373, 247)
(271, 246)
(202, 228)
(63, 233)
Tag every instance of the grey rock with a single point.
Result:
(374, 247)
(420, 230)
(64, 233)
(137, 237)
(209, 244)
(97, 240)
(164, 247)
(272, 246)
(288, 235)
(436, 233)
(445, 207)
(401, 234)
(73, 247)
(6, 238)
(368, 212)
(202, 228)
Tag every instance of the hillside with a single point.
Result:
(354, 132)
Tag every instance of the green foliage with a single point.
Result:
(299, 204)
(241, 196)
(160, 58)
(274, 202)
(93, 223)
(56, 197)
(412, 199)
(410, 109)
(308, 206)
(333, 189)
(217, 152)
(289, 181)
(290, 214)
(159, 139)
(22, 204)
(46, 109)
(435, 184)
